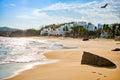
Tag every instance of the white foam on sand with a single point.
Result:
(31, 65)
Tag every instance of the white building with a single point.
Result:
(80, 23)
(44, 31)
(105, 35)
(100, 26)
(91, 27)
(52, 31)
(66, 28)
(60, 31)
(84, 24)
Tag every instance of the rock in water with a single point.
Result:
(92, 59)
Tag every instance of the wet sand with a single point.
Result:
(69, 67)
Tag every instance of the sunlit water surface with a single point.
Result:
(17, 54)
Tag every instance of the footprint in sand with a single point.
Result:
(93, 72)
(102, 74)
(105, 76)
(99, 73)
(98, 79)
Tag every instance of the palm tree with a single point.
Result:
(74, 30)
(115, 29)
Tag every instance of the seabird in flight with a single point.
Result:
(104, 6)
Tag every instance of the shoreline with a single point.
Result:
(69, 60)
(30, 66)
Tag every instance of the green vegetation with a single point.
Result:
(20, 33)
(79, 31)
(76, 31)
(113, 29)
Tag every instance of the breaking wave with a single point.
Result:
(21, 50)
(25, 49)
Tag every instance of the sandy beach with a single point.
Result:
(69, 67)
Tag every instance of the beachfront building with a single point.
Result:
(65, 28)
(91, 27)
(105, 35)
(100, 26)
(84, 24)
(44, 31)
(60, 31)
(50, 31)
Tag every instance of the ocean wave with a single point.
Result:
(25, 49)
(21, 50)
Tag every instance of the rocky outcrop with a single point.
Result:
(92, 59)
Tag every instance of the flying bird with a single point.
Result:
(104, 6)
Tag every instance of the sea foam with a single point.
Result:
(21, 50)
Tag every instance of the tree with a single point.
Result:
(98, 32)
(65, 28)
(74, 31)
(89, 23)
(82, 31)
(118, 30)
(79, 31)
(115, 29)
(31, 32)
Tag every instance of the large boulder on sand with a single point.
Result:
(92, 59)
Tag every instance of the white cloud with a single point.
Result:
(38, 13)
(61, 19)
(63, 6)
(57, 6)
(90, 12)
(112, 1)
(42, 16)
(25, 17)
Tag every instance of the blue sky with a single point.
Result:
(26, 14)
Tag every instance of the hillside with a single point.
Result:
(7, 29)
